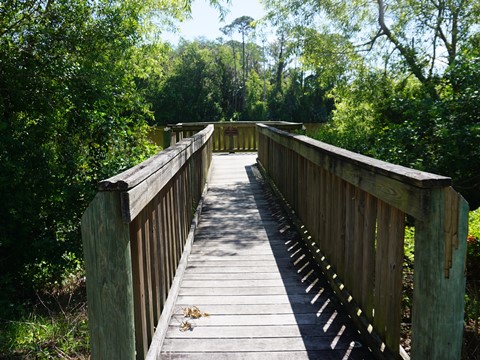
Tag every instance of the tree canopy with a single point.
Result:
(72, 111)
(82, 81)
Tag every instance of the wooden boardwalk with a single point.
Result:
(248, 272)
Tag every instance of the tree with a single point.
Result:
(379, 106)
(416, 30)
(193, 90)
(228, 30)
(71, 113)
(243, 25)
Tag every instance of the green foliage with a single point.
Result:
(74, 109)
(71, 113)
(195, 87)
(396, 120)
(44, 337)
(472, 296)
(385, 67)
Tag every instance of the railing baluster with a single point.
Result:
(134, 234)
(359, 226)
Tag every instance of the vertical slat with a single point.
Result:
(138, 275)
(177, 219)
(350, 239)
(357, 264)
(108, 264)
(216, 139)
(172, 236)
(317, 196)
(178, 212)
(311, 206)
(369, 207)
(162, 248)
(159, 251)
(339, 225)
(167, 240)
(241, 138)
(147, 273)
(328, 215)
(155, 260)
(388, 274)
(323, 210)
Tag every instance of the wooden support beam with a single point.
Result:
(438, 300)
(106, 244)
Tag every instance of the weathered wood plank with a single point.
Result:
(259, 309)
(137, 197)
(106, 246)
(234, 283)
(388, 275)
(396, 185)
(138, 276)
(245, 299)
(273, 263)
(202, 331)
(285, 289)
(255, 344)
(308, 278)
(152, 166)
(331, 318)
(438, 301)
(238, 257)
(367, 207)
(351, 353)
(273, 295)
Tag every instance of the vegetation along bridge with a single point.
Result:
(296, 254)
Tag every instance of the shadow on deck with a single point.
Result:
(266, 298)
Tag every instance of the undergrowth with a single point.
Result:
(472, 294)
(51, 325)
(471, 337)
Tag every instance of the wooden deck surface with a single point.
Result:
(247, 271)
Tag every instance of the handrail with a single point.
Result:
(230, 136)
(134, 233)
(355, 220)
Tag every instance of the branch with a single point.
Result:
(407, 53)
(370, 43)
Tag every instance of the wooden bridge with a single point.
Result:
(294, 252)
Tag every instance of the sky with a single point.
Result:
(205, 20)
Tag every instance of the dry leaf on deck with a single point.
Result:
(185, 326)
(194, 312)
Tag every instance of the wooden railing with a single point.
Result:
(353, 210)
(134, 233)
(230, 136)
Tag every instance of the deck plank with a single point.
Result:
(249, 273)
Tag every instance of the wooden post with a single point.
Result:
(106, 244)
(167, 137)
(439, 300)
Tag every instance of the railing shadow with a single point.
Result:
(323, 324)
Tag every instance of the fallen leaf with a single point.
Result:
(185, 326)
(194, 312)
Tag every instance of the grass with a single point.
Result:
(54, 326)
